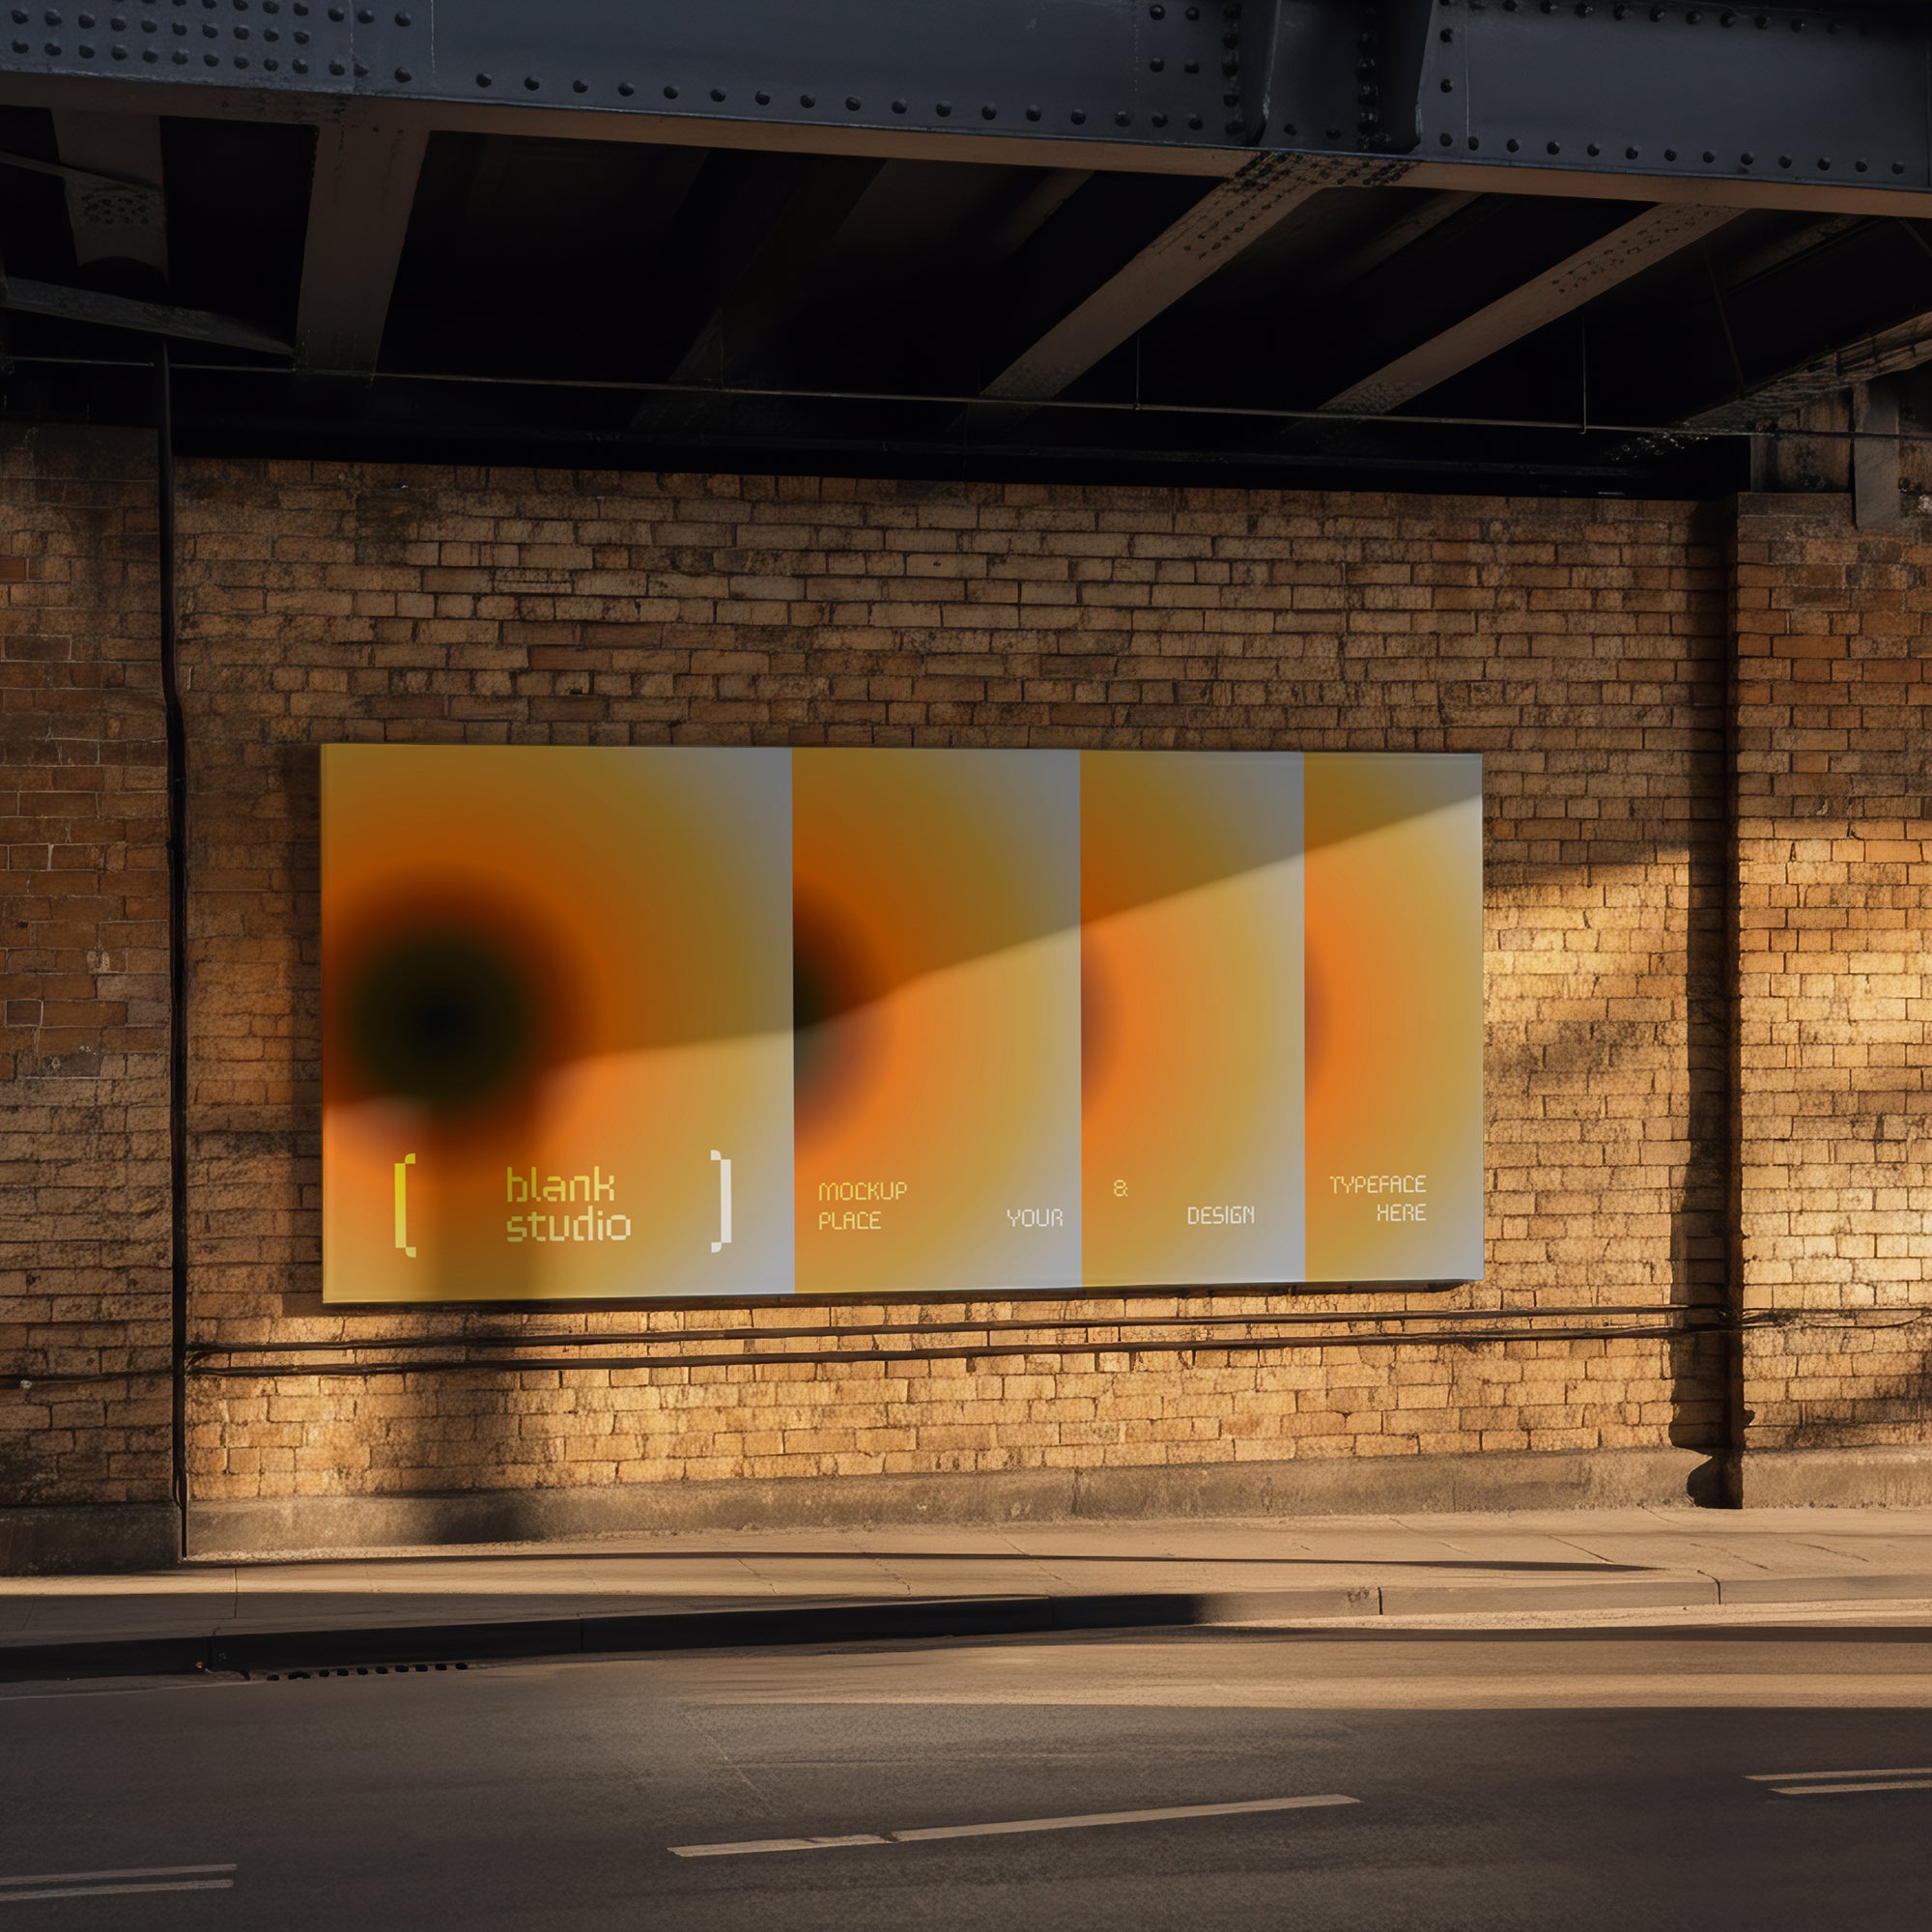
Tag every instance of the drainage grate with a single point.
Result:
(356, 1670)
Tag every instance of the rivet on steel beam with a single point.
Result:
(945, 108)
(575, 86)
(1190, 66)
(1288, 128)
(1474, 144)
(1784, 161)
(1670, 154)
(1593, 150)
(898, 106)
(1159, 120)
(852, 103)
(1078, 117)
(1032, 114)
(1122, 119)
(1631, 154)
(671, 94)
(762, 97)
(1448, 33)
(1194, 121)
(1194, 12)
(1157, 64)
(1747, 159)
(1824, 163)
(625, 88)
(1448, 87)
(718, 94)
(1447, 140)
(808, 101)
(403, 73)
(531, 82)
(1512, 144)
(1898, 167)
(1861, 167)
(1709, 156)
(1157, 13)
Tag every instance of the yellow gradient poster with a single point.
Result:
(609, 1024)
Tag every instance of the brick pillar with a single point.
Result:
(1835, 1028)
(84, 1288)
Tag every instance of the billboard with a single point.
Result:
(617, 1023)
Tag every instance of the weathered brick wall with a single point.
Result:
(1834, 629)
(83, 976)
(1581, 647)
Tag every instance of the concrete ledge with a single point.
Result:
(1837, 1478)
(67, 1541)
(1353, 1486)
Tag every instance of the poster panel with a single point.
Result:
(607, 1024)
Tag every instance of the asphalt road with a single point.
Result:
(1534, 1779)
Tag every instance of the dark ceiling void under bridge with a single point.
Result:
(1502, 245)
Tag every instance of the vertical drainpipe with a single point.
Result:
(177, 810)
(1735, 1415)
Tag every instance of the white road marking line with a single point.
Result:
(1071, 1823)
(1835, 1790)
(131, 1871)
(115, 1891)
(1806, 1777)
(773, 1845)
(1118, 1818)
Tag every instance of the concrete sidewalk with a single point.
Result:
(761, 1587)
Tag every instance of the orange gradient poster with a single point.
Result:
(605, 1024)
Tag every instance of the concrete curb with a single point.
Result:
(375, 1646)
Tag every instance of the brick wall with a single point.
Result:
(83, 976)
(1581, 647)
(1835, 1033)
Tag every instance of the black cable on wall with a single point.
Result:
(177, 810)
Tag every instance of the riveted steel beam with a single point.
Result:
(1230, 217)
(1821, 107)
(114, 198)
(359, 213)
(1627, 250)
(1891, 352)
(188, 324)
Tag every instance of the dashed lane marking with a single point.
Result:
(1078, 1822)
(113, 1883)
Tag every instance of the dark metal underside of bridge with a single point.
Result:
(1604, 302)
